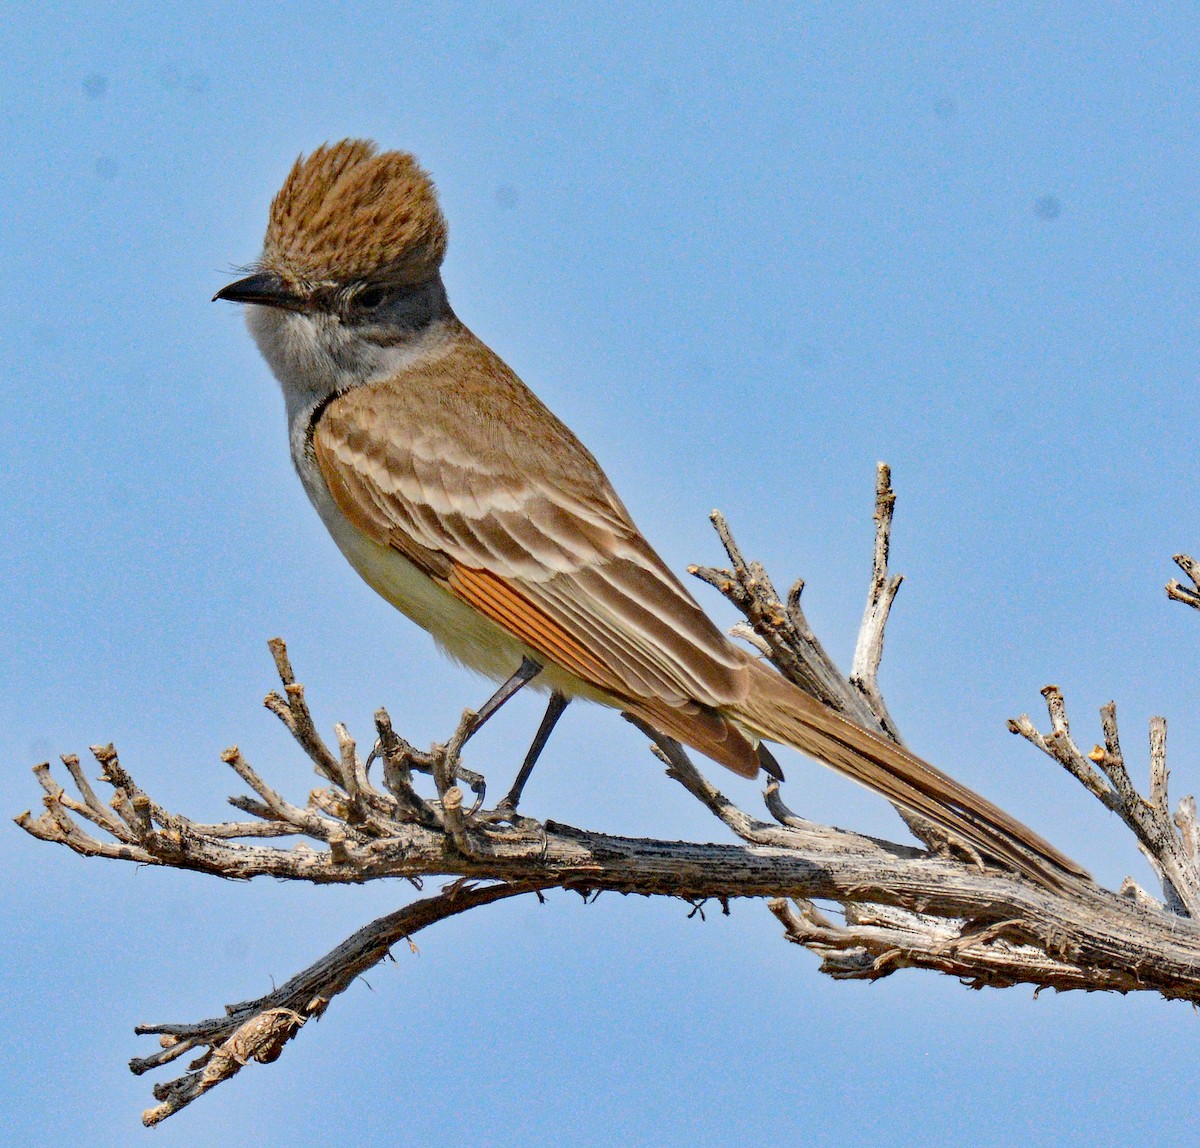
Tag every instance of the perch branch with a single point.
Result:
(927, 911)
(900, 906)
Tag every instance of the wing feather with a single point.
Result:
(523, 526)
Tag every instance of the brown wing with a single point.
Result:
(458, 466)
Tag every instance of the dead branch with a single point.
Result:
(898, 906)
(783, 635)
(258, 1029)
(1168, 844)
(1188, 595)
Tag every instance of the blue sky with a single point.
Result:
(745, 253)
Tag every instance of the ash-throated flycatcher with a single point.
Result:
(463, 501)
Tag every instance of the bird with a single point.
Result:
(466, 503)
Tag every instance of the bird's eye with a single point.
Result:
(369, 298)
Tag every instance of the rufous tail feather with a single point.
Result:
(779, 711)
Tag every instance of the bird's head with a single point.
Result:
(351, 258)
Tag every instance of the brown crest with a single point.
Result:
(348, 212)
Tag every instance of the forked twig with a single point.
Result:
(1188, 595)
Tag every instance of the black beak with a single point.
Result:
(265, 288)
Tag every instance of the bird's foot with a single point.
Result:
(505, 813)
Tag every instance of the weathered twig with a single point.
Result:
(1169, 844)
(876, 941)
(1189, 595)
(781, 632)
(902, 907)
(785, 637)
(868, 651)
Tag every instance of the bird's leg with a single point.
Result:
(554, 710)
(767, 760)
(526, 672)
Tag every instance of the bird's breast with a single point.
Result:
(461, 631)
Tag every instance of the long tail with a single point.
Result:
(779, 711)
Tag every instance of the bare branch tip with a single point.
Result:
(283, 664)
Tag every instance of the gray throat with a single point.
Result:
(319, 353)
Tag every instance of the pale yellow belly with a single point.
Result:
(460, 630)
